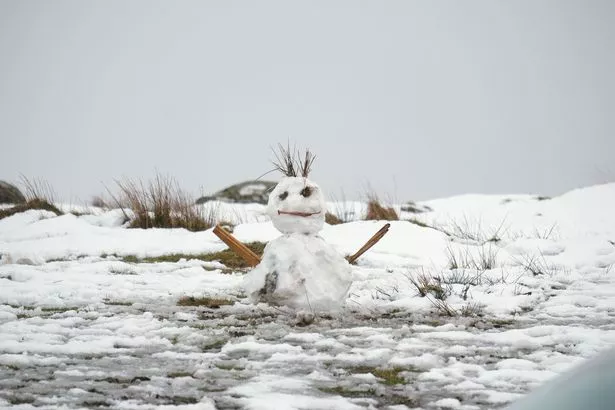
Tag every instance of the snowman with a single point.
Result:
(299, 269)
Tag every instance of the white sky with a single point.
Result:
(417, 99)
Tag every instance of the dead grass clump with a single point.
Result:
(471, 230)
(472, 309)
(38, 194)
(210, 302)
(376, 211)
(485, 258)
(99, 201)
(31, 204)
(537, 264)
(37, 188)
(427, 284)
(437, 289)
(160, 203)
(332, 219)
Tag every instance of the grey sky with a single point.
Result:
(418, 99)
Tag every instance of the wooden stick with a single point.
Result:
(372, 241)
(236, 246)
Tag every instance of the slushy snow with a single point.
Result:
(532, 296)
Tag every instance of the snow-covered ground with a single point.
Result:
(528, 289)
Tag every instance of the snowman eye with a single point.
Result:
(307, 191)
(283, 195)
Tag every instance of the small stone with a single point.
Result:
(304, 318)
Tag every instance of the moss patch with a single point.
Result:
(116, 303)
(227, 257)
(59, 309)
(203, 301)
(174, 375)
(131, 259)
(348, 392)
(390, 377)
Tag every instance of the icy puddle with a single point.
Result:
(241, 356)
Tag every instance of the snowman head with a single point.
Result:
(296, 204)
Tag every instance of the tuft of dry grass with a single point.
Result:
(437, 289)
(376, 211)
(30, 204)
(471, 230)
(427, 284)
(39, 195)
(332, 219)
(160, 203)
(537, 264)
(99, 201)
(484, 259)
(472, 309)
(37, 188)
(443, 307)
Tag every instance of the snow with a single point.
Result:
(80, 326)
(41, 236)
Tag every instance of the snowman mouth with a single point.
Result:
(297, 213)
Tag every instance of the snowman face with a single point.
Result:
(297, 205)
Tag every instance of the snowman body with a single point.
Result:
(299, 269)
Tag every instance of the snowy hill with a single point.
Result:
(467, 306)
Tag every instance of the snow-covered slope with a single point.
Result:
(517, 290)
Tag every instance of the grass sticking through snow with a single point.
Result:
(418, 223)
(39, 195)
(160, 203)
(376, 211)
(35, 203)
(389, 377)
(227, 257)
(332, 219)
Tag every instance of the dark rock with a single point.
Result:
(244, 192)
(415, 208)
(10, 194)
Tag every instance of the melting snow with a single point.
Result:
(532, 295)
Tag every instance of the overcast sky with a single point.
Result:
(417, 99)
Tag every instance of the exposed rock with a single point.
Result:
(244, 192)
(10, 194)
(24, 261)
(415, 208)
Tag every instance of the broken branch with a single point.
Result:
(239, 248)
(371, 242)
